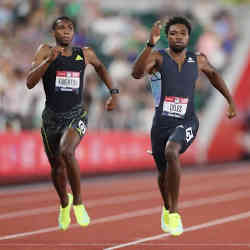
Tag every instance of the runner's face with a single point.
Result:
(64, 32)
(178, 37)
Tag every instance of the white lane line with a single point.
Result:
(94, 203)
(20, 189)
(125, 199)
(189, 229)
(51, 197)
(11, 191)
(29, 199)
(149, 211)
(93, 222)
(215, 199)
(190, 189)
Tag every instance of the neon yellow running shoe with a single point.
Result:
(81, 215)
(165, 220)
(175, 224)
(64, 214)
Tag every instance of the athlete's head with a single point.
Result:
(63, 29)
(177, 31)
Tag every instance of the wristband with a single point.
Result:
(149, 44)
(114, 91)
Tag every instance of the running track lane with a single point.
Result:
(125, 214)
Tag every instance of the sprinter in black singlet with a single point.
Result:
(174, 73)
(61, 69)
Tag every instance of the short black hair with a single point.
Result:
(60, 19)
(178, 20)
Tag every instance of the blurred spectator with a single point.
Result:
(224, 27)
(117, 35)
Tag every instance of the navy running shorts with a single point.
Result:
(183, 134)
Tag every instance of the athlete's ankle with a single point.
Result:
(64, 202)
(77, 202)
(172, 210)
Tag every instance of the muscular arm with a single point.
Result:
(217, 81)
(92, 59)
(39, 66)
(214, 77)
(147, 62)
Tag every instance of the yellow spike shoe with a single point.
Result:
(81, 215)
(175, 224)
(165, 220)
(64, 214)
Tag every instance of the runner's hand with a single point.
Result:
(155, 32)
(54, 52)
(111, 103)
(231, 112)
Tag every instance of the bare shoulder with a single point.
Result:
(201, 57)
(87, 50)
(89, 55)
(204, 64)
(203, 61)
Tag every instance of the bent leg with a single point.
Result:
(178, 142)
(58, 175)
(70, 140)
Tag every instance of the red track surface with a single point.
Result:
(125, 212)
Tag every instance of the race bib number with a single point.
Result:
(81, 127)
(67, 81)
(175, 106)
(189, 134)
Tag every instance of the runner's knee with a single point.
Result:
(66, 153)
(171, 153)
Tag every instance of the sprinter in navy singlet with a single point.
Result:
(61, 69)
(173, 74)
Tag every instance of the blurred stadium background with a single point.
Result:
(117, 31)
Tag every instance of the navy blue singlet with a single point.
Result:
(173, 90)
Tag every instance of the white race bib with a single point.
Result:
(67, 81)
(175, 106)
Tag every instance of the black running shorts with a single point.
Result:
(55, 124)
